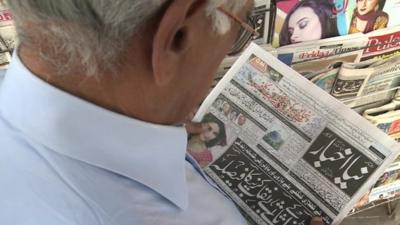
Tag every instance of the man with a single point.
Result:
(92, 106)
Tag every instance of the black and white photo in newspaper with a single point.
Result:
(283, 149)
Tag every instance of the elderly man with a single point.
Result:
(91, 107)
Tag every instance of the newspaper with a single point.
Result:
(283, 149)
(320, 49)
(385, 190)
(367, 78)
(386, 118)
(261, 19)
(320, 58)
(384, 43)
(8, 36)
(5, 15)
(326, 79)
(229, 60)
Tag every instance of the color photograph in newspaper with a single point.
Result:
(283, 149)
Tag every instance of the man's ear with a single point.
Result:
(171, 38)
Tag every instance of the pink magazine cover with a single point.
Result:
(307, 20)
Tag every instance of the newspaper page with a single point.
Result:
(8, 36)
(283, 149)
(378, 81)
(5, 15)
(385, 190)
(320, 49)
(386, 117)
(260, 17)
(319, 61)
(382, 44)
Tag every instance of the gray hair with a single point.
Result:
(92, 34)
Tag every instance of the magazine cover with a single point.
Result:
(369, 15)
(305, 20)
(284, 150)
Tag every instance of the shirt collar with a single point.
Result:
(151, 154)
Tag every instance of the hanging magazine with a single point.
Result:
(305, 20)
(283, 149)
(370, 15)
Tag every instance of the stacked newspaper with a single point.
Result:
(371, 81)
(382, 44)
(312, 59)
(386, 189)
(283, 149)
(360, 70)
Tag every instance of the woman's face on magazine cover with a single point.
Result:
(366, 6)
(304, 25)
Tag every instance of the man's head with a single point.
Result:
(150, 59)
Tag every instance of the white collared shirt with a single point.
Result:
(65, 161)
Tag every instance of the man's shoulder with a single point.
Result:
(31, 192)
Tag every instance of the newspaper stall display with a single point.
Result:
(320, 61)
(283, 149)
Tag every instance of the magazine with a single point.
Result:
(305, 20)
(285, 150)
(366, 16)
